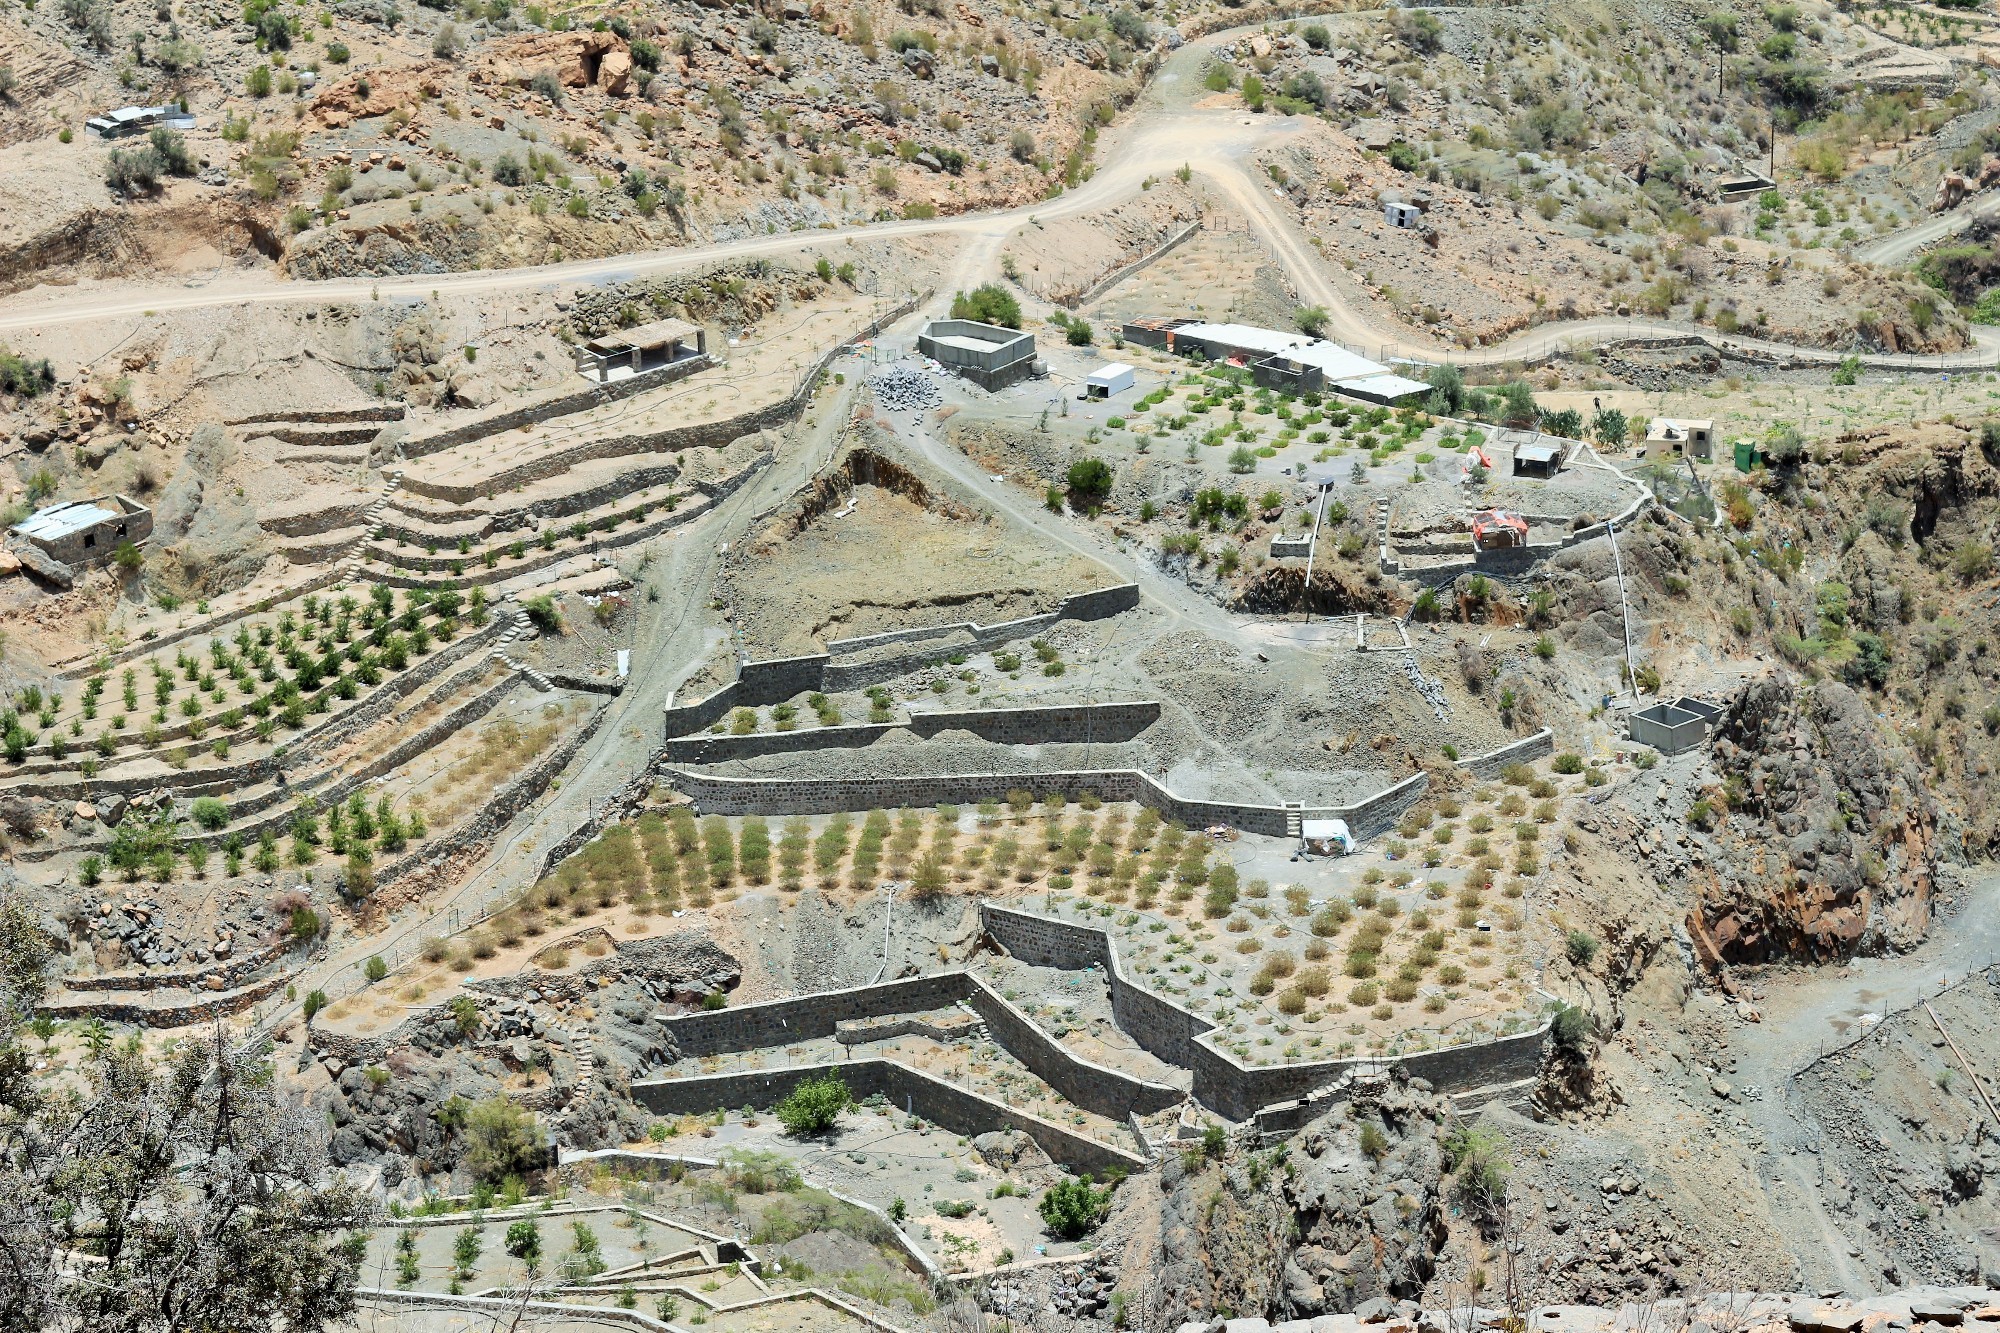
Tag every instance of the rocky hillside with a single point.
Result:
(366, 139)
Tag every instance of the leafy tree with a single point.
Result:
(1566, 422)
(202, 1198)
(1072, 1209)
(1580, 947)
(1311, 319)
(814, 1105)
(502, 1139)
(23, 377)
(1447, 390)
(209, 812)
(1870, 663)
(989, 303)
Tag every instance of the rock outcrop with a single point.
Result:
(1347, 1213)
(1832, 819)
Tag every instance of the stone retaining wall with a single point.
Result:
(779, 1023)
(498, 812)
(698, 435)
(313, 522)
(213, 976)
(1124, 271)
(782, 1022)
(328, 416)
(1234, 1090)
(1092, 604)
(171, 1015)
(955, 1109)
(1008, 726)
(717, 794)
(596, 542)
(507, 520)
(762, 683)
(1487, 767)
(559, 402)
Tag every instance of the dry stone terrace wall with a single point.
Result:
(683, 437)
(779, 1023)
(957, 1110)
(567, 549)
(1489, 766)
(782, 1022)
(1237, 1091)
(559, 402)
(1008, 726)
(172, 1014)
(717, 794)
(774, 680)
(405, 528)
(301, 751)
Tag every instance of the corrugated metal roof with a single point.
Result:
(1539, 453)
(62, 519)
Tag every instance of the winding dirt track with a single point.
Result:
(1162, 133)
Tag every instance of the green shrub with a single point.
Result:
(988, 304)
(1089, 480)
(814, 1105)
(1072, 1209)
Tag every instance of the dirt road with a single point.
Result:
(1163, 133)
(1810, 1012)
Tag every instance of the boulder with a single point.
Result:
(1823, 1319)
(1937, 1310)
(614, 73)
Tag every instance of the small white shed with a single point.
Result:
(1398, 214)
(1108, 380)
(1325, 837)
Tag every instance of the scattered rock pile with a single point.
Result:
(903, 389)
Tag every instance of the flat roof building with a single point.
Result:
(84, 532)
(641, 350)
(1695, 438)
(1289, 361)
(1383, 390)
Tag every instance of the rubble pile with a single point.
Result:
(902, 389)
